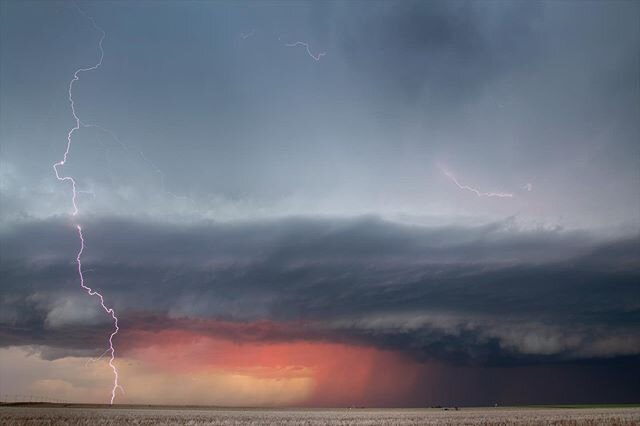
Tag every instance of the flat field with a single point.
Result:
(170, 416)
(202, 416)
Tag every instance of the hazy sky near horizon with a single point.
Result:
(274, 222)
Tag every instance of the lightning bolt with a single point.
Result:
(315, 57)
(128, 149)
(452, 177)
(306, 46)
(74, 195)
(107, 309)
(246, 35)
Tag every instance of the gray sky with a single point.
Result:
(502, 94)
(230, 176)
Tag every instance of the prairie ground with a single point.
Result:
(467, 416)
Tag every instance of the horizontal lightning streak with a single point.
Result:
(451, 176)
(306, 46)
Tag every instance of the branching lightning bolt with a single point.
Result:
(306, 46)
(74, 195)
(451, 176)
(128, 149)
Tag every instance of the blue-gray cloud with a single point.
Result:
(490, 294)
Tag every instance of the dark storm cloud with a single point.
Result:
(448, 50)
(489, 294)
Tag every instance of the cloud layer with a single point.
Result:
(491, 294)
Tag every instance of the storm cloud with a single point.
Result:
(489, 294)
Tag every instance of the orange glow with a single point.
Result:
(341, 374)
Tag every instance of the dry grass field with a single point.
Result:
(194, 417)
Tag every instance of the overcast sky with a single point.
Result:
(323, 203)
